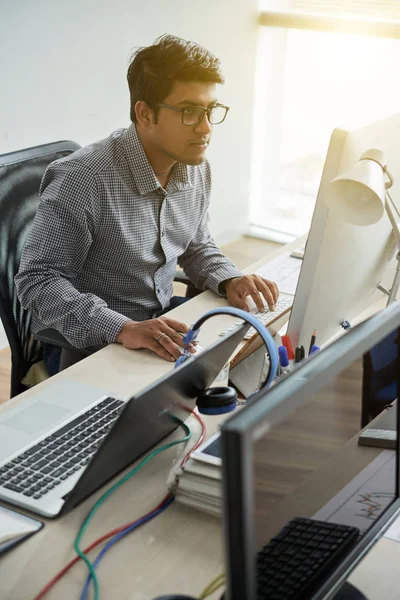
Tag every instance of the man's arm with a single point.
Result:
(55, 252)
(207, 267)
(204, 263)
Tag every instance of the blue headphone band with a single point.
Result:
(191, 335)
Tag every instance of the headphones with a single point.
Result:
(221, 400)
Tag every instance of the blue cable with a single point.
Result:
(118, 537)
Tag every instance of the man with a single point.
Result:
(116, 216)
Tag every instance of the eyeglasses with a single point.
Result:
(193, 115)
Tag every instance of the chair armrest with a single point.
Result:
(192, 290)
(55, 338)
(181, 277)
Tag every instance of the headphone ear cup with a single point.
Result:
(217, 400)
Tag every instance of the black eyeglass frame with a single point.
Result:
(206, 111)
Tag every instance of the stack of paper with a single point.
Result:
(198, 483)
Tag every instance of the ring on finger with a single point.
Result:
(160, 336)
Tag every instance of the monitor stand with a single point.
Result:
(349, 592)
(346, 592)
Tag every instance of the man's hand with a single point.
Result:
(163, 336)
(239, 288)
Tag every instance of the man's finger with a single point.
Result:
(268, 294)
(176, 325)
(240, 304)
(169, 346)
(160, 350)
(255, 294)
(177, 338)
(174, 336)
(273, 287)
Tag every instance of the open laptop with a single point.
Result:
(59, 446)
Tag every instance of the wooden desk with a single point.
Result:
(181, 550)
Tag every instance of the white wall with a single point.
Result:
(64, 77)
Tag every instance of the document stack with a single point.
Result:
(198, 483)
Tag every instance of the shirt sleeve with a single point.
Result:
(55, 253)
(204, 263)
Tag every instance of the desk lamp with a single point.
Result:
(361, 197)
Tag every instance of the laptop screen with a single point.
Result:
(295, 452)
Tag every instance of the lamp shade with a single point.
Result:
(358, 196)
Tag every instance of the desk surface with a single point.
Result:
(181, 550)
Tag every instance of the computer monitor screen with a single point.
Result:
(294, 452)
(344, 263)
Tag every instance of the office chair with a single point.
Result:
(379, 383)
(20, 175)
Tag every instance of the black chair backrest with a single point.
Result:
(379, 386)
(20, 175)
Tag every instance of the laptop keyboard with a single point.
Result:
(285, 301)
(297, 560)
(58, 456)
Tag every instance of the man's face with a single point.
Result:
(184, 143)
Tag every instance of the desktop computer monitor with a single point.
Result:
(344, 263)
(293, 452)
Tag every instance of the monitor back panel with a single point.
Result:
(343, 263)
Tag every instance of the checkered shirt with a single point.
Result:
(107, 237)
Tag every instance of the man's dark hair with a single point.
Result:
(154, 69)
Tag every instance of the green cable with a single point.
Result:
(100, 501)
(214, 585)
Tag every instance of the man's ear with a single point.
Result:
(144, 114)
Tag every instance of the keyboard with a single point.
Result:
(285, 302)
(297, 560)
(46, 464)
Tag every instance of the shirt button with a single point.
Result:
(158, 290)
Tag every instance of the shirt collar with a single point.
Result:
(181, 177)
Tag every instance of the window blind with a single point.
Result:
(369, 9)
(367, 17)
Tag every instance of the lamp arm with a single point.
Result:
(393, 222)
(388, 184)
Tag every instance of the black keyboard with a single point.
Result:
(297, 560)
(58, 456)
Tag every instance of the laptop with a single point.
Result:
(59, 446)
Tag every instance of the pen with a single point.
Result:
(287, 343)
(297, 354)
(313, 337)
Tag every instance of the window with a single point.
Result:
(308, 83)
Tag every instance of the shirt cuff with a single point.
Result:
(108, 323)
(222, 286)
(215, 279)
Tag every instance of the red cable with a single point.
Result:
(67, 567)
(202, 436)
